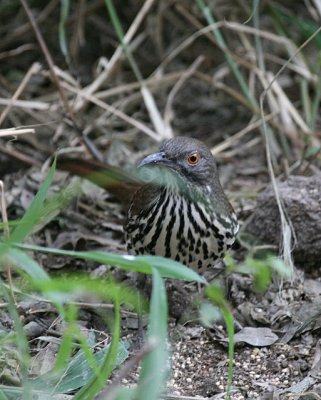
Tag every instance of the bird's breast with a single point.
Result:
(173, 226)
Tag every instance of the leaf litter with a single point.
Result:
(277, 332)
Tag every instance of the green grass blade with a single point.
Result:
(21, 342)
(119, 31)
(287, 19)
(125, 393)
(306, 101)
(316, 104)
(166, 267)
(216, 295)
(64, 13)
(98, 382)
(66, 345)
(154, 368)
(3, 396)
(67, 289)
(220, 39)
(146, 94)
(53, 206)
(34, 211)
(26, 264)
(78, 372)
(229, 321)
(258, 43)
(172, 269)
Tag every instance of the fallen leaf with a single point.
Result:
(259, 337)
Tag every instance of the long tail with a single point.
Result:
(120, 183)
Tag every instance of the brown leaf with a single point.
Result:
(259, 337)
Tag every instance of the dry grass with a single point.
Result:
(245, 80)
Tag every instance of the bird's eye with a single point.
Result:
(193, 158)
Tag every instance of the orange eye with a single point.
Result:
(193, 158)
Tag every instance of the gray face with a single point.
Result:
(186, 157)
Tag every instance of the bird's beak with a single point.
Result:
(154, 159)
(155, 174)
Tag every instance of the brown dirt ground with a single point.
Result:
(199, 357)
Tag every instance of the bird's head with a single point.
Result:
(188, 159)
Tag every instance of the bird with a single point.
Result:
(182, 213)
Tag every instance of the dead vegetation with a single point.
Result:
(243, 78)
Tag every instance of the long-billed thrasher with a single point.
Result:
(183, 212)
